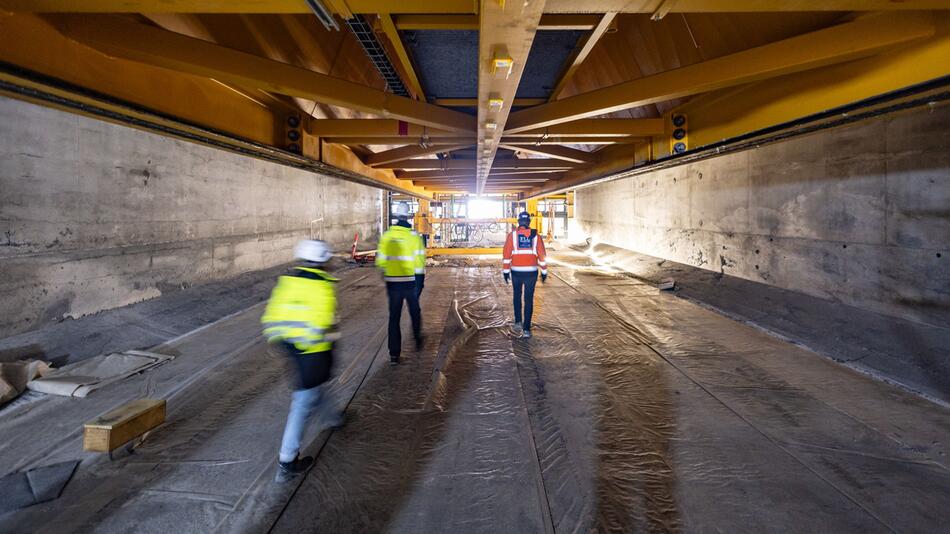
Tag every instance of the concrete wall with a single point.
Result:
(858, 214)
(95, 215)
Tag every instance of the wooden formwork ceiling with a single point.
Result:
(520, 97)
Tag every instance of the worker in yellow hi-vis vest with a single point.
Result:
(398, 258)
(300, 318)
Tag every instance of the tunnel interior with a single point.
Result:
(742, 316)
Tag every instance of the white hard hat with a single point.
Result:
(401, 210)
(312, 250)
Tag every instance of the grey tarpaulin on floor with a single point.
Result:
(630, 410)
(15, 375)
(19, 490)
(82, 378)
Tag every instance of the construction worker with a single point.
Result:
(300, 320)
(523, 256)
(398, 257)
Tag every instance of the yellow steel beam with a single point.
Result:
(120, 37)
(536, 140)
(581, 54)
(578, 22)
(404, 153)
(463, 173)
(522, 139)
(346, 7)
(472, 102)
(733, 6)
(845, 42)
(554, 8)
(596, 128)
(556, 152)
(399, 140)
(469, 164)
(374, 128)
(503, 34)
(389, 28)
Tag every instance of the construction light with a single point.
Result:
(491, 125)
(495, 104)
(292, 135)
(679, 141)
(502, 62)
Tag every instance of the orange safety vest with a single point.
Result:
(524, 252)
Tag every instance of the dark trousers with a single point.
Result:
(312, 369)
(399, 292)
(524, 281)
(420, 283)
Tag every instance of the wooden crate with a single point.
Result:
(113, 429)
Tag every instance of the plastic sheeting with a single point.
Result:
(629, 410)
(15, 375)
(82, 378)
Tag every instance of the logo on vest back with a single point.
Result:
(524, 241)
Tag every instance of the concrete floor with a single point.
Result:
(629, 410)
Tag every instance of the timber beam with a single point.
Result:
(863, 37)
(120, 37)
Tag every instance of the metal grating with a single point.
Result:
(363, 31)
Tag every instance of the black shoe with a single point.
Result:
(394, 360)
(299, 465)
(337, 421)
(419, 341)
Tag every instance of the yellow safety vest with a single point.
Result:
(302, 311)
(400, 254)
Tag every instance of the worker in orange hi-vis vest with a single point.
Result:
(523, 257)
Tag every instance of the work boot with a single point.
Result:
(297, 466)
(526, 333)
(516, 325)
(337, 420)
(393, 360)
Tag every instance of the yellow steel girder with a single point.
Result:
(456, 164)
(464, 7)
(555, 152)
(503, 35)
(397, 155)
(845, 42)
(120, 37)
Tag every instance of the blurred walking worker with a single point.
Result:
(523, 256)
(398, 257)
(300, 319)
